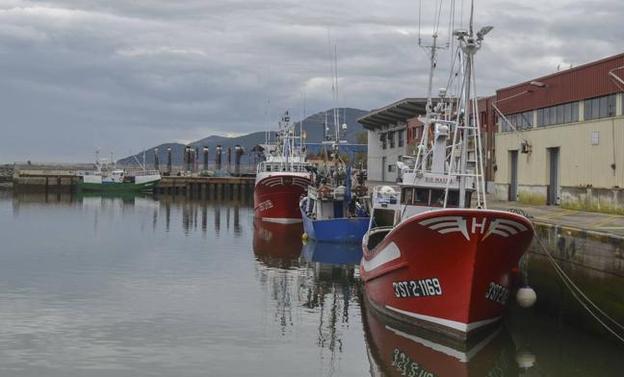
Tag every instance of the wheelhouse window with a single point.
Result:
(415, 196)
(432, 197)
(407, 195)
(437, 198)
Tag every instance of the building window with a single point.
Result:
(600, 107)
(519, 121)
(391, 138)
(391, 168)
(560, 114)
(400, 138)
(384, 141)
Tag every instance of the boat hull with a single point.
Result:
(117, 187)
(276, 198)
(447, 270)
(342, 230)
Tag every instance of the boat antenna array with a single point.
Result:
(458, 115)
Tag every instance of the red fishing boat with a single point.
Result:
(429, 258)
(282, 178)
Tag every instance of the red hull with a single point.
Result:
(448, 270)
(276, 197)
(396, 351)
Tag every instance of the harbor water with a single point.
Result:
(137, 286)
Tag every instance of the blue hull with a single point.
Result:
(335, 230)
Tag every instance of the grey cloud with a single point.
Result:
(123, 75)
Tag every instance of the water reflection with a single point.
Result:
(194, 213)
(169, 286)
(347, 254)
(277, 245)
(320, 283)
(399, 351)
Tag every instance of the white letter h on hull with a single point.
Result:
(476, 225)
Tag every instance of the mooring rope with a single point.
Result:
(576, 291)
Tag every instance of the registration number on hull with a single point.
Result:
(417, 288)
(497, 293)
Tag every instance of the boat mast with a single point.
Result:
(422, 153)
(469, 44)
(423, 149)
(335, 94)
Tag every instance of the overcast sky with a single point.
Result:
(122, 75)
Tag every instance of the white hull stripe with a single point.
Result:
(388, 254)
(447, 224)
(460, 326)
(281, 220)
(463, 357)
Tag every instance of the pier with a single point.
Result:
(207, 187)
(41, 181)
(192, 186)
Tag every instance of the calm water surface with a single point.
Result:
(142, 287)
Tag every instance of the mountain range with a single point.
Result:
(313, 126)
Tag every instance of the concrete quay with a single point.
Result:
(594, 222)
(589, 246)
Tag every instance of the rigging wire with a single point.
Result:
(419, 22)
(578, 294)
(438, 16)
(450, 23)
(461, 14)
(479, 146)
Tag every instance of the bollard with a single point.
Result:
(169, 161)
(206, 153)
(218, 159)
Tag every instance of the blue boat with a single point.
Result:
(332, 212)
(336, 228)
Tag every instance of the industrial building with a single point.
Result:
(563, 143)
(393, 131)
(559, 141)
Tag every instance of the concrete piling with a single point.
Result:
(169, 162)
(218, 158)
(208, 188)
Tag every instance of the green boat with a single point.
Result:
(119, 181)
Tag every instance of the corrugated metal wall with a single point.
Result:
(582, 82)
